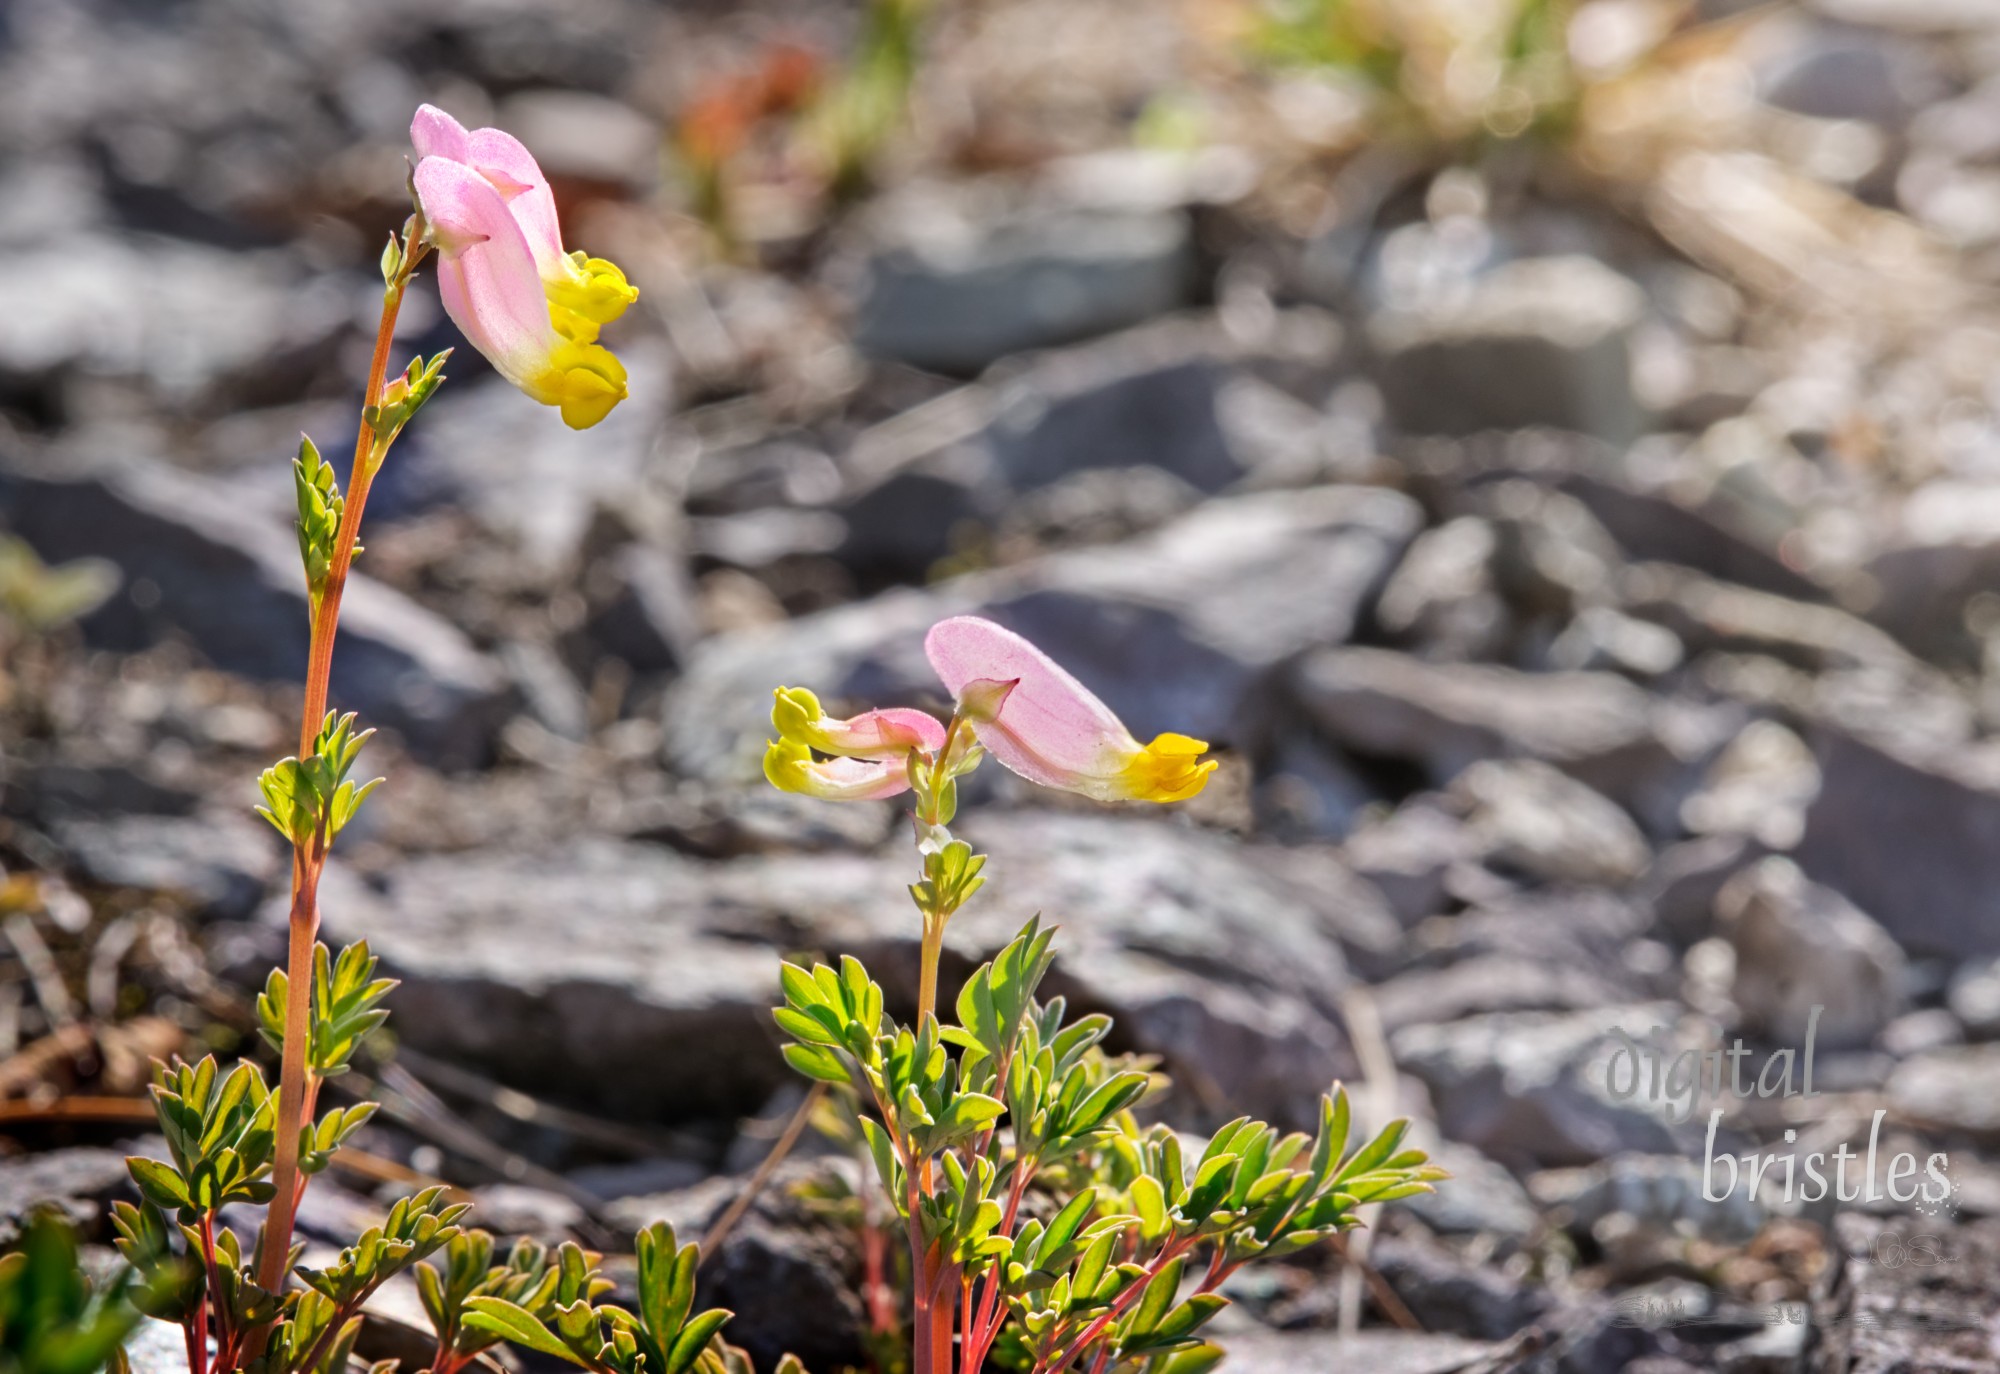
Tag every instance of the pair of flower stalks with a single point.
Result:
(1048, 1231)
(483, 206)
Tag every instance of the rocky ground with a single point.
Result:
(1585, 557)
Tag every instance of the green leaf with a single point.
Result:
(510, 1322)
(694, 1339)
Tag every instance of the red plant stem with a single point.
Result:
(293, 1087)
(223, 1342)
(1116, 1310)
(196, 1331)
(986, 1329)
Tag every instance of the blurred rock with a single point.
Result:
(196, 325)
(80, 1180)
(1534, 342)
(524, 475)
(1800, 946)
(1761, 786)
(1661, 1193)
(1926, 871)
(1686, 879)
(1483, 1198)
(1173, 630)
(957, 298)
(1528, 1088)
(1442, 598)
(1526, 817)
(1974, 996)
(1885, 1317)
(1597, 727)
(197, 563)
(1377, 1351)
(514, 1209)
(1954, 1089)
(1446, 1293)
(1202, 953)
(220, 863)
(1943, 556)
(1601, 638)
(642, 608)
(903, 526)
(577, 136)
(1491, 983)
(1114, 407)
(1409, 855)
(551, 693)
(1919, 1032)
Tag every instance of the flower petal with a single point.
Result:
(796, 715)
(436, 134)
(486, 273)
(506, 162)
(790, 767)
(1045, 725)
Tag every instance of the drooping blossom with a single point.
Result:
(1045, 725)
(531, 308)
(870, 751)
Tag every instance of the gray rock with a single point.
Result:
(1918, 1032)
(1656, 526)
(1446, 1293)
(902, 526)
(958, 298)
(1492, 983)
(1409, 856)
(525, 476)
(1709, 615)
(1541, 341)
(1378, 1352)
(1760, 786)
(1481, 1199)
(578, 136)
(1956, 1089)
(157, 1347)
(1658, 1193)
(195, 324)
(551, 693)
(1174, 631)
(1686, 879)
(196, 563)
(1974, 996)
(1528, 1088)
(1597, 727)
(79, 1180)
(643, 609)
(1601, 638)
(1524, 816)
(1908, 1316)
(220, 863)
(1442, 597)
(1932, 826)
(1799, 946)
(1201, 952)
(1115, 408)
(515, 1209)
(1943, 550)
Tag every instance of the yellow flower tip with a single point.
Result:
(584, 380)
(1170, 769)
(785, 763)
(796, 714)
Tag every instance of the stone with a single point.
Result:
(1956, 1089)
(1659, 1193)
(1526, 817)
(1974, 996)
(1918, 1032)
(80, 1180)
(1482, 1199)
(904, 525)
(1378, 1352)
(553, 697)
(1206, 956)
(578, 136)
(1175, 630)
(1601, 638)
(1686, 879)
(516, 1209)
(1656, 526)
(522, 474)
(955, 298)
(1409, 855)
(1933, 828)
(1760, 786)
(1528, 1088)
(1491, 983)
(1942, 551)
(1877, 1318)
(1444, 717)
(1442, 599)
(643, 610)
(195, 562)
(1801, 946)
(196, 325)
(1446, 1293)
(1106, 408)
(1543, 341)
(221, 863)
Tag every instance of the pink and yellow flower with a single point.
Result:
(871, 752)
(531, 308)
(1045, 725)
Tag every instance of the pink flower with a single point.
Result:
(871, 751)
(1045, 725)
(531, 308)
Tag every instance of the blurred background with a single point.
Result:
(1548, 447)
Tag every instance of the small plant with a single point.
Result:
(53, 1319)
(967, 1122)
